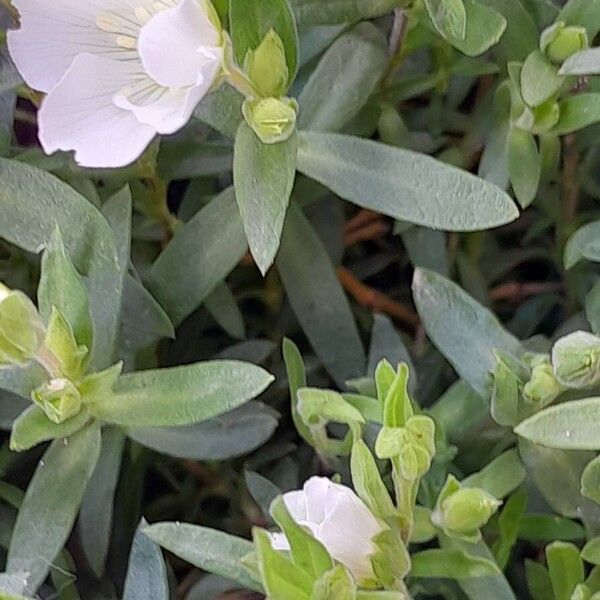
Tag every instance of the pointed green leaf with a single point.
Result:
(180, 395)
(403, 184)
(264, 176)
(200, 255)
(584, 243)
(207, 549)
(333, 96)
(318, 299)
(577, 112)
(33, 427)
(524, 165)
(465, 332)
(48, 513)
(34, 204)
(451, 564)
(569, 426)
(146, 572)
(565, 567)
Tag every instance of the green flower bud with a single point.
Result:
(21, 329)
(560, 41)
(576, 360)
(267, 68)
(61, 342)
(545, 116)
(542, 388)
(273, 120)
(468, 509)
(59, 399)
(461, 512)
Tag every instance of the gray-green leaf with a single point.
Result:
(465, 332)
(403, 184)
(48, 513)
(570, 426)
(264, 177)
(180, 395)
(343, 80)
(208, 549)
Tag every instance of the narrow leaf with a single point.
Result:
(570, 426)
(403, 184)
(202, 253)
(48, 513)
(318, 299)
(465, 332)
(207, 549)
(343, 80)
(264, 177)
(146, 573)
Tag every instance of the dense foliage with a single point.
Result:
(299, 298)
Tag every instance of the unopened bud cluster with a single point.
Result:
(270, 114)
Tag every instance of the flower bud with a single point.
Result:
(272, 119)
(460, 512)
(560, 41)
(542, 388)
(59, 399)
(267, 68)
(21, 329)
(468, 509)
(60, 341)
(576, 360)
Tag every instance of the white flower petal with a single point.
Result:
(279, 541)
(177, 44)
(79, 114)
(317, 490)
(347, 533)
(295, 502)
(166, 109)
(54, 32)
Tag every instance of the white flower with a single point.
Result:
(117, 72)
(339, 519)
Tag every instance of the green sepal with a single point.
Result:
(59, 399)
(508, 377)
(273, 120)
(32, 427)
(61, 286)
(368, 483)
(307, 552)
(334, 584)
(413, 445)
(281, 578)
(397, 408)
(391, 561)
(384, 377)
(542, 388)
(100, 385)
